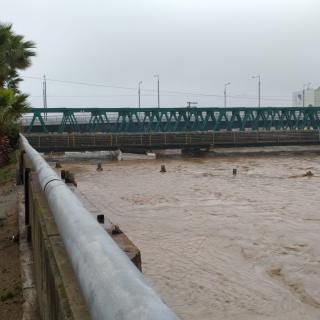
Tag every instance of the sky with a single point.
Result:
(98, 51)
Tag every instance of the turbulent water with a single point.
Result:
(218, 246)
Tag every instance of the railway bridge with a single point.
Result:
(115, 120)
(84, 129)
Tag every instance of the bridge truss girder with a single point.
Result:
(177, 119)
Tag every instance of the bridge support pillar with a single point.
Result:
(116, 155)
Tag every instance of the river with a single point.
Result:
(217, 245)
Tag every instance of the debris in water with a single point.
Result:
(69, 178)
(116, 229)
(99, 166)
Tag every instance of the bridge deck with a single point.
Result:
(112, 141)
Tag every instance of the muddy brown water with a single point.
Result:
(215, 245)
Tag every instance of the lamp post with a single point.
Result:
(303, 93)
(139, 94)
(44, 95)
(225, 93)
(259, 87)
(158, 88)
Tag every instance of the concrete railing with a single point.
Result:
(112, 286)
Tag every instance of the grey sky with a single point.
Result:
(195, 45)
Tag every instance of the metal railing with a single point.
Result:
(111, 285)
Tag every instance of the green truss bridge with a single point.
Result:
(154, 120)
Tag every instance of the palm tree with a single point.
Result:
(15, 54)
(7, 99)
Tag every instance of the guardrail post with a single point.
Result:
(26, 194)
(20, 172)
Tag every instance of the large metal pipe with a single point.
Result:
(112, 286)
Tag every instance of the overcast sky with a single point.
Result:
(196, 46)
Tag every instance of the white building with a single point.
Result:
(308, 98)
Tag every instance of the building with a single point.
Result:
(306, 98)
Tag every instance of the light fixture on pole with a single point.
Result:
(139, 94)
(259, 87)
(158, 88)
(225, 93)
(44, 95)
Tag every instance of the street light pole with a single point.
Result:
(225, 93)
(304, 93)
(44, 95)
(139, 94)
(158, 87)
(259, 92)
(259, 88)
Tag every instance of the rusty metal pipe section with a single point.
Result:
(112, 286)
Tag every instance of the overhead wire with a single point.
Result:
(239, 96)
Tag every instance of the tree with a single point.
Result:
(15, 54)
